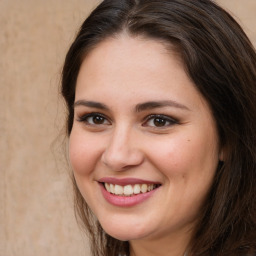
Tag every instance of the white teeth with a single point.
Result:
(112, 188)
(129, 190)
(136, 189)
(144, 188)
(150, 187)
(119, 190)
(107, 187)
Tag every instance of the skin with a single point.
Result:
(182, 155)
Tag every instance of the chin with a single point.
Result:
(125, 232)
(124, 236)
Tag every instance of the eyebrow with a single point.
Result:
(91, 104)
(159, 104)
(138, 108)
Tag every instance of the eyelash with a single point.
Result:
(162, 119)
(85, 118)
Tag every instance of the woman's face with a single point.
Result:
(141, 129)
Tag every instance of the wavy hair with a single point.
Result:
(221, 61)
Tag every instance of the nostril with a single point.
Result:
(122, 159)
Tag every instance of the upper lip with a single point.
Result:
(126, 181)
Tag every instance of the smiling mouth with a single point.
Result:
(129, 190)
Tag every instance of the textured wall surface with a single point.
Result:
(36, 214)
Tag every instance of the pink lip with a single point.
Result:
(126, 201)
(126, 181)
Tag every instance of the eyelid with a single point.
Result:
(172, 120)
(83, 118)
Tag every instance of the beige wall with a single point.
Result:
(36, 215)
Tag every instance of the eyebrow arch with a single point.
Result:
(139, 107)
(159, 104)
(91, 104)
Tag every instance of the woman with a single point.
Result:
(161, 124)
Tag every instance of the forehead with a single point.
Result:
(129, 70)
(125, 55)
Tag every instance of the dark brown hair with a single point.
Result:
(221, 61)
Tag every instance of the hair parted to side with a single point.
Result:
(221, 61)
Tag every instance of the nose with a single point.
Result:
(122, 150)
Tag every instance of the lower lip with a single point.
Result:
(126, 201)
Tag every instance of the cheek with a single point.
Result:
(172, 154)
(82, 153)
(184, 155)
(83, 157)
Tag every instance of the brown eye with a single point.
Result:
(98, 119)
(94, 119)
(159, 121)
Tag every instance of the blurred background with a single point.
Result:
(36, 210)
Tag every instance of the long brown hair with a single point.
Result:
(221, 61)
